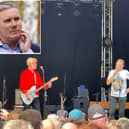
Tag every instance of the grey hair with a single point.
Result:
(7, 5)
(17, 124)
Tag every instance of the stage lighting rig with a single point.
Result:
(76, 7)
(59, 7)
(107, 42)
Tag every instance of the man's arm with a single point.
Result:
(111, 76)
(127, 76)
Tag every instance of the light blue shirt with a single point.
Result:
(5, 49)
(119, 83)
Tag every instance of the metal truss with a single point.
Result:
(106, 44)
(107, 37)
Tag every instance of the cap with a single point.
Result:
(76, 114)
(96, 111)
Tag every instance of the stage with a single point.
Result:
(106, 105)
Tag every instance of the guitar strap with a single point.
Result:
(35, 79)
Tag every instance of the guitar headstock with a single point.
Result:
(54, 79)
(61, 94)
(62, 97)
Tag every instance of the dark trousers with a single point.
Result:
(34, 105)
(113, 103)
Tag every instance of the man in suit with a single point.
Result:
(13, 39)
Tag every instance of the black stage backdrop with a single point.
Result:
(71, 48)
(121, 31)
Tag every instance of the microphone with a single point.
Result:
(41, 67)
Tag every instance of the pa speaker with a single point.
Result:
(82, 104)
(82, 92)
(18, 100)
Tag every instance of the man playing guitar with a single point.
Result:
(30, 77)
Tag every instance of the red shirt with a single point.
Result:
(27, 80)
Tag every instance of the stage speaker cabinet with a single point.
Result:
(81, 103)
(18, 100)
(82, 92)
(51, 109)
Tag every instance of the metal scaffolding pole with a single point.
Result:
(107, 40)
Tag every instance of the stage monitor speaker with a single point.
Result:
(18, 100)
(82, 92)
(81, 103)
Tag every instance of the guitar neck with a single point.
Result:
(40, 88)
(43, 86)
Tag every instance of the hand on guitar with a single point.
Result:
(28, 96)
(49, 84)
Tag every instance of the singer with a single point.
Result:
(30, 77)
(118, 80)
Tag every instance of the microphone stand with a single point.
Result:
(4, 99)
(45, 91)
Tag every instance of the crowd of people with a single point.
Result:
(31, 119)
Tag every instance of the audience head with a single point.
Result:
(112, 124)
(95, 126)
(123, 123)
(17, 124)
(48, 124)
(15, 114)
(81, 124)
(76, 114)
(96, 113)
(54, 119)
(69, 126)
(32, 116)
(2, 123)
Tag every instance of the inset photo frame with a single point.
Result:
(20, 28)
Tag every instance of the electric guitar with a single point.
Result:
(32, 92)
